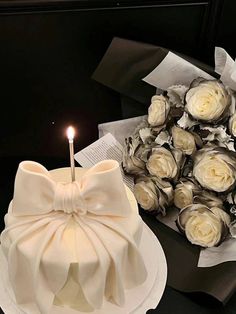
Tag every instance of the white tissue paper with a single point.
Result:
(226, 67)
(174, 70)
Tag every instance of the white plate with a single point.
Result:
(138, 300)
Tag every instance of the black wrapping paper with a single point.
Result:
(122, 68)
(127, 62)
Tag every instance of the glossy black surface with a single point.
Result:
(48, 55)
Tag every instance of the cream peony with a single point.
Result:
(207, 100)
(232, 125)
(202, 225)
(183, 195)
(183, 140)
(158, 110)
(162, 164)
(214, 169)
(145, 193)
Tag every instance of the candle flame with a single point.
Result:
(70, 133)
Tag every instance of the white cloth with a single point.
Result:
(38, 258)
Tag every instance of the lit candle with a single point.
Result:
(70, 135)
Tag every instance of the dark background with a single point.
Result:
(48, 52)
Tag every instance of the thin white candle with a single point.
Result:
(70, 135)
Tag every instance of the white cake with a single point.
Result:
(70, 256)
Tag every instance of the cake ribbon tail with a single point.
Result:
(32, 260)
(126, 269)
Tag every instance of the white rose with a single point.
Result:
(214, 171)
(207, 101)
(203, 229)
(202, 226)
(183, 140)
(162, 164)
(232, 125)
(164, 190)
(183, 195)
(146, 196)
(131, 162)
(188, 192)
(158, 110)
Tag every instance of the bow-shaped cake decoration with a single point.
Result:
(51, 225)
(37, 193)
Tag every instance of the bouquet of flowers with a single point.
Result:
(183, 155)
